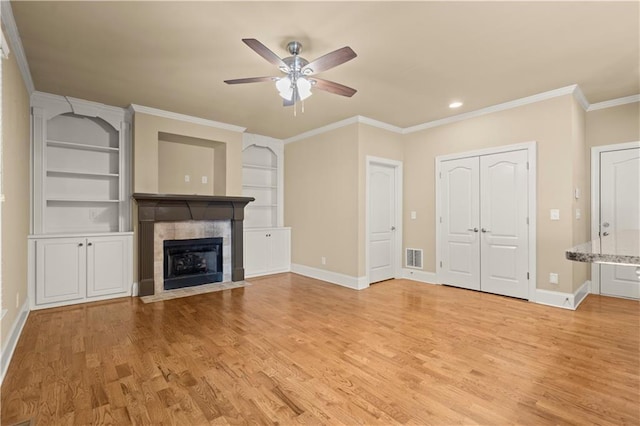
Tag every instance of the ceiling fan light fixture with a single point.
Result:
(284, 88)
(304, 88)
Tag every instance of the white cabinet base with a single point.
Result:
(65, 270)
(266, 251)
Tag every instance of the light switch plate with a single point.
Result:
(413, 215)
(554, 214)
(204, 179)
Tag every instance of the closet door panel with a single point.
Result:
(503, 218)
(460, 212)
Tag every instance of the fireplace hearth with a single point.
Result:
(192, 262)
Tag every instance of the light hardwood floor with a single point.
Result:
(290, 349)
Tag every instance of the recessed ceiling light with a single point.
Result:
(455, 104)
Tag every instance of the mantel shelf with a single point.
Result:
(259, 186)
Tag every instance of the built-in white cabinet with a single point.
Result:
(75, 269)
(267, 251)
(267, 244)
(80, 248)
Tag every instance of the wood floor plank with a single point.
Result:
(289, 349)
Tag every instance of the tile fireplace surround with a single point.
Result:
(183, 209)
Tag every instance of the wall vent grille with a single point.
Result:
(414, 258)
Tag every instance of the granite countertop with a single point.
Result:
(621, 248)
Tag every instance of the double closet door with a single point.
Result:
(483, 225)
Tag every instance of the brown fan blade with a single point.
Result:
(250, 80)
(329, 61)
(333, 87)
(264, 51)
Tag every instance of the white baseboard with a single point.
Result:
(12, 341)
(419, 275)
(135, 289)
(272, 272)
(563, 300)
(356, 283)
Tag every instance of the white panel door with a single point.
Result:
(459, 237)
(61, 269)
(503, 212)
(107, 265)
(619, 212)
(382, 222)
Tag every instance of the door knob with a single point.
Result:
(393, 228)
(485, 230)
(605, 225)
(473, 229)
(604, 234)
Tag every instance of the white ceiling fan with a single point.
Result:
(299, 76)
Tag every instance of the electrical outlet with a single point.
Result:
(204, 179)
(553, 278)
(323, 260)
(578, 214)
(414, 215)
(554, 214)
(187, 178)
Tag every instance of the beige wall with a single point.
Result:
(373, 142)
(321, 200)
(146, 151)
(15, 182)
(549, 123)
(581, 229)
(613, 125)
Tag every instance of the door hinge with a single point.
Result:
(527, 275)
(440, 175)
(441, 263)
(440, 219)
(527, 165)
(527, 221)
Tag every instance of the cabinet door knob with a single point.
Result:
(80, 245)
(485, 230)
(89, 244)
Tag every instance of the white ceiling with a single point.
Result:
(414, 58)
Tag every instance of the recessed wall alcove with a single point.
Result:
(189, 165)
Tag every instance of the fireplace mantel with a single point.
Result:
(173, 207)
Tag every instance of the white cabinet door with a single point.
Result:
(460, 223)
(256, 248)
(504, 230)
(60, 270)
(108, 268)
(267, 251)
(279, 250)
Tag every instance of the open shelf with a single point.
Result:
(83, 146)
(259, 167)
(78, 200)
(79, 173)
(259, 186)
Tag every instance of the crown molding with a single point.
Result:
(568, 90)
(16, 44)
(614, 103)
(186, 118)
(343, 123)
(580, 97)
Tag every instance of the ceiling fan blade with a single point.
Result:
(250, 80)
(287, 102)
(329, 61)
(264, 51)
(333, 87)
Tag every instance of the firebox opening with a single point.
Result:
(192, 262)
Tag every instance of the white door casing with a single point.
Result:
(383, 233)
(619, 212)
(460, 223)
(504, 229)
